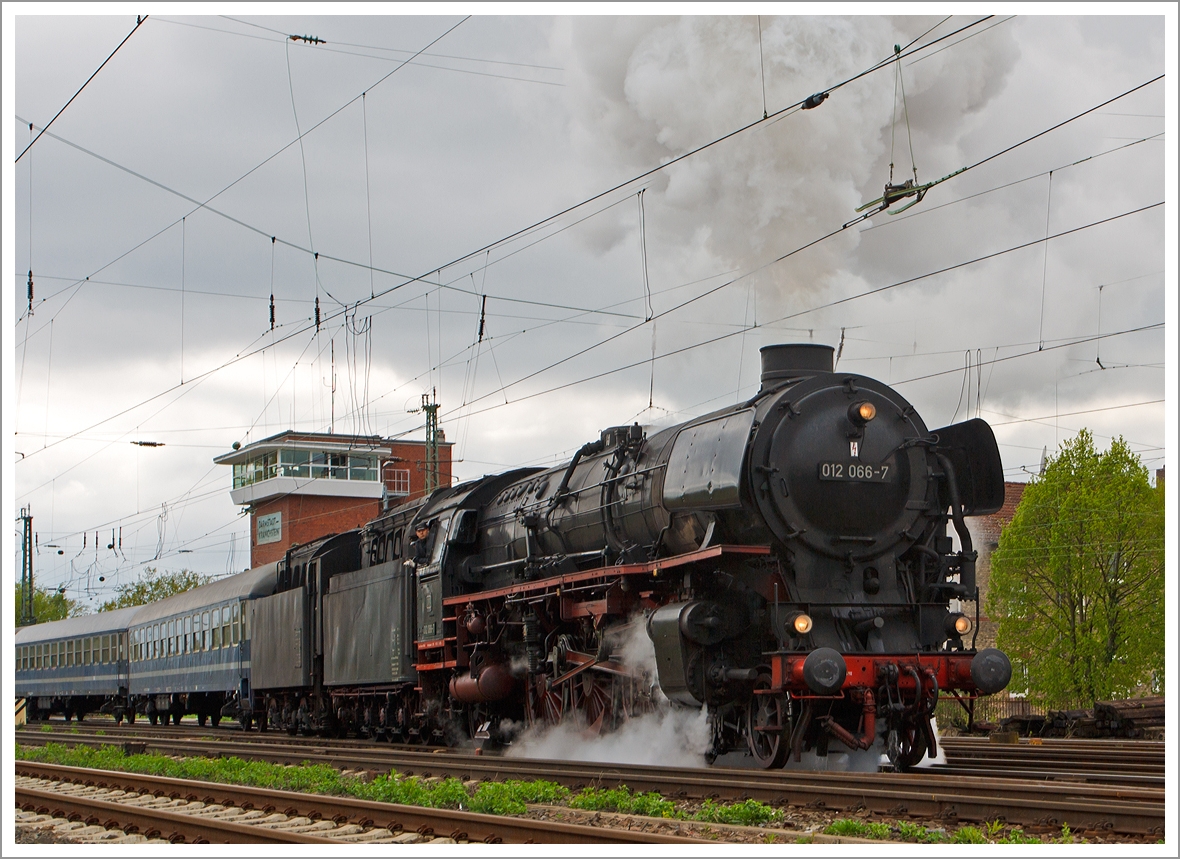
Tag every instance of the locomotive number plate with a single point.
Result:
(856, 472)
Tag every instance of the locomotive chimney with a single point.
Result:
(793, 361)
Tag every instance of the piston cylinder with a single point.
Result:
(492, 683)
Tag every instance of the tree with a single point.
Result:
(1077, 582)
(49, 605)
(153, 586)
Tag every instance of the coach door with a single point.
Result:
(122, 664)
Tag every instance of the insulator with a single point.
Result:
(272, 311)
(317, 313)
(30, 287)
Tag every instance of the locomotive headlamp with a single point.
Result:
(801, 623)
(958, 624)
(861, 413)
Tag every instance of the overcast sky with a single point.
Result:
(146, 213)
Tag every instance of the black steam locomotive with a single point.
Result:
(788, 558)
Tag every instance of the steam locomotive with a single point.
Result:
(786, 561)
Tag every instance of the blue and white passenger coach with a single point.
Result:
(76, 666)
(190, 653)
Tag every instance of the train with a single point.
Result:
(788, 564)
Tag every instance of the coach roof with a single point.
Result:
(258, 582)
(73, 627)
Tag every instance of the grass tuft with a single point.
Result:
(858, 829)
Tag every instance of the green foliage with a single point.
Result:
(749, 812)
(992, 829)
(152, 586)
(308, 778)
(858, 829)
(447, 793)
(1077, 582)
(624, 801)
(1066, 834)
(1017, 836)
(48, 605)
(968, 835)
(915, 832)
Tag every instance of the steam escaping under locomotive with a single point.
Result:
(790, 559)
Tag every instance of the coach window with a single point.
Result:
(225, 623)
(237, 628)
(53, 654)
(216, 628)
(86, 657)
(188, 633)
(196, 645)
(205, 636)
(69, 660)
(174, 636)
(106, 649)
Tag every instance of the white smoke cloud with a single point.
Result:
(646, 90)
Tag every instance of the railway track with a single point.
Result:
(929, 794)
(174, 810)
(1093, 760)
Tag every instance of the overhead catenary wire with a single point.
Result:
(797, 250)
(138, 22)
(1045, 259)
(525, 230)
(205, 205)
(981, 162)
(826, 305)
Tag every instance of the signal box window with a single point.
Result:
(398, 481)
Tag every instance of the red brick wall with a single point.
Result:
(307, 518)
(985, 537)
(412, 457)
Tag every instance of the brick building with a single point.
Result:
(302, 486)
(985, 538)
